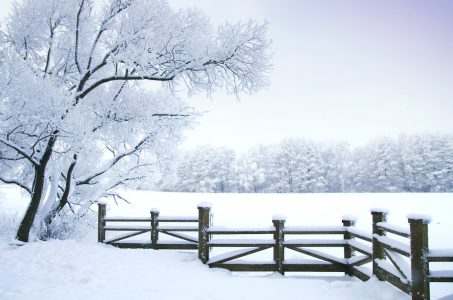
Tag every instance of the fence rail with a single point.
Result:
(397, 255)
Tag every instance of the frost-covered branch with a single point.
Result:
(15, 182)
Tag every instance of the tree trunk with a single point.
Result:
(64, 198)
(38, 186)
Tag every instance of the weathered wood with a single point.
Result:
(419, 258)
(359, 247)
(359, 260)
(102, 209)
(126, 236)
(396, 246)
(378, 249)
(356, 272)
(394, 280)
(385, 228)
(154, 226)
(321, 230)
(319, 255)
(296, 267)
(255, 267)
(125, 219)
(126, 228)
(235, 255)
(399, 268)
(279, 248)
(360, 236)
(178, 219)
(315, 243)
(204, 221)
(163, 246)
(240, 243)
(240, 231)
(348, 251)
(181, 236)
(178, 228)
(439, 276)
(439, 258)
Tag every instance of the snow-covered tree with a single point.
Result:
(84, 123)
(298, 167)
(207, 169)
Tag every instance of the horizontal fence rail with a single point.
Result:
(397, 255)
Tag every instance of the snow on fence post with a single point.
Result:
(378, 250)
(348, 251)
(279, 249)
(419, 257)
(102, 209)
(204, 215)
(154, 225)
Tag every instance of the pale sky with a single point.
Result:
(343, 70)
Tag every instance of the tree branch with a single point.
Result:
(114, 161)
(126, 78)
(15, 182)
(19, 150)
(76, 50)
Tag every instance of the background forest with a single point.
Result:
(409, 163)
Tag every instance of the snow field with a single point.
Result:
(85, 269)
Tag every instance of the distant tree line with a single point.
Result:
(409, 163)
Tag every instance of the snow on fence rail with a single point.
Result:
(397, 255)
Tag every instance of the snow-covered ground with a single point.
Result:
(84, 269)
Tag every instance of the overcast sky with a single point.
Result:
(343, 70)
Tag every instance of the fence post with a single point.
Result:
(204, 221)
(154, 226)
(279, 248)
(348, 251)
(378, 250)
(419, 257)
(102, 208)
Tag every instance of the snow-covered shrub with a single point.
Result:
(69, 226)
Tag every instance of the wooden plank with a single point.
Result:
(167, 246)
(125, 219)
(240, 231)
(241, 243)
(181, 236)
(364, 249)
(392, 257)
(127, 228)
(359, 274)
(147, 245)
(393, 245)
(178, 219)
(403, 232)
(440, 279)
(440, 259)
(437, 255)
(132, 245)
(314, 230)
(295, 267)
(255, 267)
(320, 255)
(441, 276)
(235, 254)
(394, 280)
(315, 243)
(359, 260)
(356, 233)
(178, 228)
(128, 235)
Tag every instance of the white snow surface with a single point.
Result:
(84, 269)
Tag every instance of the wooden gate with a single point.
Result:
(153, 226)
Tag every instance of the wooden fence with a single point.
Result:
(397, 255)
